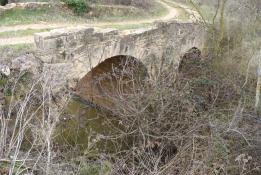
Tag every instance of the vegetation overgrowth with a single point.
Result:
(79, 6)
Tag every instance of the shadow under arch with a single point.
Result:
(190, 62)
(113, 78)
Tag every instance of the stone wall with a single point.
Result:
(72, 52)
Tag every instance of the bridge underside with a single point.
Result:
(115, 77)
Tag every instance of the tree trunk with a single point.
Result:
(258, 87)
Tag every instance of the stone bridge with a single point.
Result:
(71, 53)
(79, 56)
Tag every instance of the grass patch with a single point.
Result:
(20, 33)
(17, 47)
(118, 13)
(99, 13)
(21, 16)
(11, 51)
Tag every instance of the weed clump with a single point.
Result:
(78, 6)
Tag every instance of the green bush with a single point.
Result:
(3, 2)
(78, 6)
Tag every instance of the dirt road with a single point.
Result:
(172, 13)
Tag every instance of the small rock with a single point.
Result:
(4, 69)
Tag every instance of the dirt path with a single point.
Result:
(194, 15)
(18, 40)
(172, 13)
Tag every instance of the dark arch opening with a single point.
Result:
(191, 59)
(115, 77)
(3, 2)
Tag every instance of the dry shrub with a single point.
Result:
(185, 123)
(27, 124)
(194, 121)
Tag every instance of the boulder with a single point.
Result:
(26, 62)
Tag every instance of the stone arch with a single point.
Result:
(111, 78)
